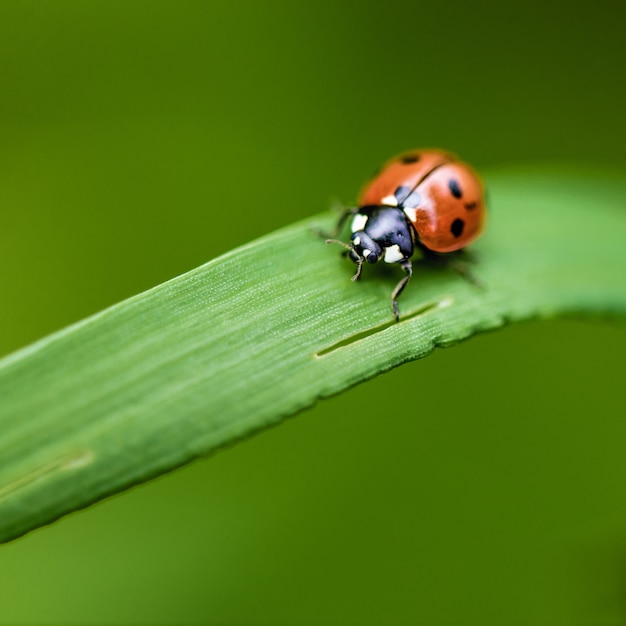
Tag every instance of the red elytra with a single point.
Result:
(442, 197)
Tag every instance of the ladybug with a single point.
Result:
(423, 199)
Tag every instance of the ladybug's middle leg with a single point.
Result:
(459, 261)
(408, 268)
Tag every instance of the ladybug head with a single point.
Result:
(364, 247)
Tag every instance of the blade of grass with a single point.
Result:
(263, 332)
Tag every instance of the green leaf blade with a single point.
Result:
(263, 332)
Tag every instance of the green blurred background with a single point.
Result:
(140, 139)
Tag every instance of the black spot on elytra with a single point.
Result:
(401, 192)
(470, 206)
(455, 190)
(457, 227)
(407, 159)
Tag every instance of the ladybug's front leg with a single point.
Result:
(345, 214)
(349, 249)
(408, 268)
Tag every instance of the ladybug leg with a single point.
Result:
(408, 268)
(358, 259)
(469, 255)
(463, 270)
(458, 261)
(346, 213)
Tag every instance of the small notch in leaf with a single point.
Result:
(347, 341)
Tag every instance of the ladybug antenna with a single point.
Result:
(350, 248)
(347, 246)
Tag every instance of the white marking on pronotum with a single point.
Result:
(366, 253)
(356, 241)
(393, 254)
(411, 213)
(358, 222)
(390, 201)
